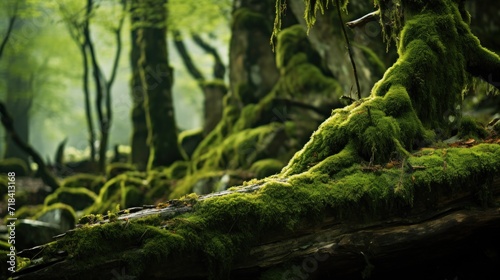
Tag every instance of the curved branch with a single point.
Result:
(8, 124)
(373, 16)
(484, 64)
(219, 68)
(10, 27)
(349, 49)
(186, 58)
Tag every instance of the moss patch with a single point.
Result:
(266, 167)
(88, 181)
(223, 227)
(78, 198)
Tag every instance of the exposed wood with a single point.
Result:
(362, 21)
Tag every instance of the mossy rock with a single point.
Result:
(78, 198)
(117, 168)
(266, 167)
(88, 181)
(470, 128)
(15, 165)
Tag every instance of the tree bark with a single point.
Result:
(219, 70)
(158, 103)
(19, 100)
(10, 27)
(252, 65)
(139, 146)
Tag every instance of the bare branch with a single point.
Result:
(186, 58)
(360, 22)
(10, 27)
(219, 68)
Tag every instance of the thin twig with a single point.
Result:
(349, 50)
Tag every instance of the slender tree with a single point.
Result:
(81, 34)
(10, 26)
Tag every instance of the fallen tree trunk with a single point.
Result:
(334, 248)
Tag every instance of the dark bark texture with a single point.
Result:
(157, 79)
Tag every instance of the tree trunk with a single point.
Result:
(139, 146)
(157, 79)
(252, 65)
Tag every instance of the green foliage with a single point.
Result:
(311, 9)
(203, 16)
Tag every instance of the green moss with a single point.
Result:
(16, 165)
(338, 173)
(28, 211)
(116, 168)
(245, 18)
(206, 181)
(78, 198)
(88, 181)
(177, 170)
(189, 140)
(4, 185)
(66, 211)
(125, 190)
(223, 227)
(216, 84)
(470, 128)
(241, 139)
(291, 41)
(243, 148)
(266, 167)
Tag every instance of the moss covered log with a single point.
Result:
(362, 169)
